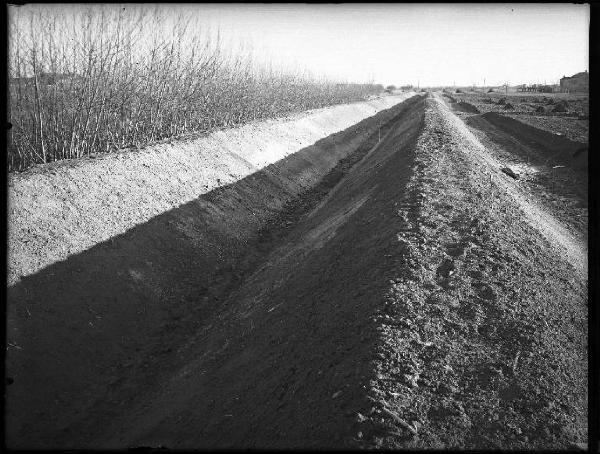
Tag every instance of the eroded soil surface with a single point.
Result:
(551, 166)
(418, 297)
(563, 113)
(473, 335)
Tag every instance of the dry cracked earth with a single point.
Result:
(418, 297)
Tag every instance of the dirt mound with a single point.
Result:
(450, 97)
(552, 147)
(467, 107)
(510, 172)
(561, 107)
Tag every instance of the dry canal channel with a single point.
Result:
(384, 287)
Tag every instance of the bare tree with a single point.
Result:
(105, 77)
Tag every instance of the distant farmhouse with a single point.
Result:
(580, 82)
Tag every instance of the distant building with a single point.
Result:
(580, 82)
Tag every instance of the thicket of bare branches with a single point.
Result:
(102, 78)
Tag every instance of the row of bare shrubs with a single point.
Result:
(97, 79)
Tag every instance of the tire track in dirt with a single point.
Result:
(476, 350)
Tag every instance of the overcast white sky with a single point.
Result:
(409, 43)
(429, 44)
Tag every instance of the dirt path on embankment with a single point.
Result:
(483, 336)
(427, 300)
